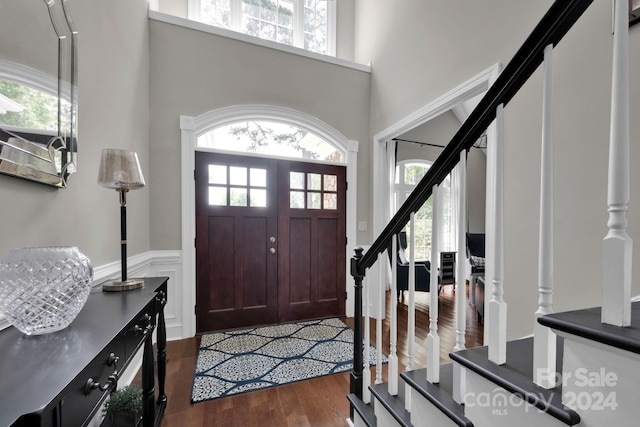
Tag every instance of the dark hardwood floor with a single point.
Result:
(317, 402)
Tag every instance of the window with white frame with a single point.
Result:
(307, 24)
(408, 174)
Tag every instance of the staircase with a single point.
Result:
(579, 368)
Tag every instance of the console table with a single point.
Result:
(61, 379)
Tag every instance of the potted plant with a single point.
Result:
(124, 406)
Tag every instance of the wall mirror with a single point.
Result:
(38, 91)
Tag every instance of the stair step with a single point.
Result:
(393, 404)
(516, 374)
(441, 394)
(587, 324)
(365, 411)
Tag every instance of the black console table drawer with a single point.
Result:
(61, 379)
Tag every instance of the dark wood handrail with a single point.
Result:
(560, 17)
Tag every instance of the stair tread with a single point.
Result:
(365, 411)
(515, 376)
(393, 404)
(441, 394)
(587, 323)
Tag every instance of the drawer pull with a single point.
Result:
(137, 329)
(112, 380)
(91, 385)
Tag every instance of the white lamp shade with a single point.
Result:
(120, 169)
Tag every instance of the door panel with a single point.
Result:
(311, 224)
(236, 214)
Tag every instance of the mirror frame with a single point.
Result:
(47, 157)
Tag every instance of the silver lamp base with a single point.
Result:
(127, 285)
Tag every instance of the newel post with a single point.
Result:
(356, 373)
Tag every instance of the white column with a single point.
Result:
(381, 315)
(393, 327)
(497, 307)
(433, 339)
(411, 313)
(618, 246)
(544, 340)
(461, 295)
(366, 361)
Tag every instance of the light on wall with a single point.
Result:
(120, 170)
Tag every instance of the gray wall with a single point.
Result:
(194, 72)
(421, 49)
(113, 63)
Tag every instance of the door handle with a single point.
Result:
(272, 251)
(272, 239)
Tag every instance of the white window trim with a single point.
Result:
(194, 7)
(191, 127)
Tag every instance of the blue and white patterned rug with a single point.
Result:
(235, 362)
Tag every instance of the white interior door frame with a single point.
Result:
(449, 101)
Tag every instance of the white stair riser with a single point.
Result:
(384, 418)
(358, 421)
(425, 414)
(488, 405)
(600, 383)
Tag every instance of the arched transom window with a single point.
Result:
(272, 139)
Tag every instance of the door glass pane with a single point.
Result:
(217, 174)
(314, 181)
(218, 196)
(257, 177)
(237, 175)
(330, 201)
(258, 198)
(314, 201)
(238, 197)
(296, 180)
(296, 199)
(330, 183)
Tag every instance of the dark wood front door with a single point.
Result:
(270, 241)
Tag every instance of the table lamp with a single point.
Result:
(120, 170)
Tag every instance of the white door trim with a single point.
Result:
(191, 127)
(467, 90)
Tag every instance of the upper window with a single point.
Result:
(275, 139)
(307, 24)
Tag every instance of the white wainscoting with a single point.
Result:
(151, 264)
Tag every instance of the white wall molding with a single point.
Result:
(148, 264)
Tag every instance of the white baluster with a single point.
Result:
(618, 246)
(393, 332)
(459, 372)
(366, 362)
(461, 296)
(381, 315)
(411, 314)
(433, 339)
(544, 339)
(497, 306)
